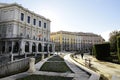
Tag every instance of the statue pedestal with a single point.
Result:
(32, 65)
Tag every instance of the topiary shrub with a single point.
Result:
(102, 51)
(118, 47)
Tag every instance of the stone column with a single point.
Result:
(12, 47)
(43, 51)
(30, 47)
(61, 48)
(36, 49)
(22, 46)
(5, 46)
(53, 47)
(48, 46)
(43, 47)
(11, 53)
(43, 56)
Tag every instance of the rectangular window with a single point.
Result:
(34, 22)
(28, 20)
(39, 23)
(44, 25)
(22, 16)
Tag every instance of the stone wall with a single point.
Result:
(13, 67)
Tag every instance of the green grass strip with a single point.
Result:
(55, 67)
(43, 77)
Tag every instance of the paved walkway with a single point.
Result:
(92, 75)
(110, 70)
(80, 74)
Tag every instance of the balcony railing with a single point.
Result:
(20, 36)
(11, 36)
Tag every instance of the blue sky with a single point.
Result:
(96, 16)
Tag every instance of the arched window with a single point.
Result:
(15, 47)
(34, 37)
(33, 47)
(3, 46)
(3, 49)
(27, 47)
(50, 48)
(21, 34)
(10, 49)
(28, 36)
(45, 47)
(39, 47)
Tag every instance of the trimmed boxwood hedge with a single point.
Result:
(118, 47)
(44, 77)
(102, 51)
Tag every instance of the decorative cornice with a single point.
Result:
(20, 6)
(75, 33)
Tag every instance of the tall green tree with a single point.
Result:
(113, 40)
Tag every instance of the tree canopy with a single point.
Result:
(113, 40)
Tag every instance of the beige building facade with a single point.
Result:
(23, 32)
(75, 41)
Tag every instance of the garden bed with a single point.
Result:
(55, 67)
(55, 64)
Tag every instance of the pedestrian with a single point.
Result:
(82, 55)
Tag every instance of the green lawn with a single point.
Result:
(43, 77)
(56, 58)
(55, 67)
(55, 64)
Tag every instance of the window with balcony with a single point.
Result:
(28, 19)
(22, 17)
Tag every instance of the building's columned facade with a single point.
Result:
(23, 31)
(75, 41)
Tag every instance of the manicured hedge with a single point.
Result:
(44, 77)
(102, 51)
(118, 47)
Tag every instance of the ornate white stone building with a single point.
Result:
(23, 32)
